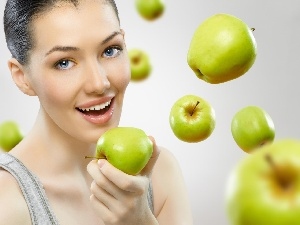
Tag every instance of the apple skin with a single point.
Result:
(150, 9)
(262, 193)
(140, 64)
(252, 127)
(222, 48)
(126, 148)
(10, 135)
(192, 128)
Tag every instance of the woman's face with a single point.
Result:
(79, 68)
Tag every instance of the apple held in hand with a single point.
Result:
(192, 119)
(140, 64)
(126, 148)
(150, 9)
(252, 127)
(10, 135)
(264, 187)
(222, 48)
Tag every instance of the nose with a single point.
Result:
(96, 79)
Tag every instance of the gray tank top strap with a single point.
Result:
(32, 189)
(150, 197)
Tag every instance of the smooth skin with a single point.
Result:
(90, 64)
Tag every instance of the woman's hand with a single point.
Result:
(119, 198)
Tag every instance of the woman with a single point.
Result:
(71, 54)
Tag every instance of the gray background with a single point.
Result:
(272, 83)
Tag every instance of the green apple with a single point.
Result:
(252, 127)
(10, 135)
(126, 148)
(140, 64)
(192, 118)
(150, 9)
(222, 48)
(264, 187)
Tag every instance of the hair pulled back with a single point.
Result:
(18, 17)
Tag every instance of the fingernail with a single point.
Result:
(101, 162)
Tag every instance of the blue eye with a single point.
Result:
(64, 64)
(112, 52)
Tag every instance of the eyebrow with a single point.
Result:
(62, 49)
(111, 37)
(71, 48)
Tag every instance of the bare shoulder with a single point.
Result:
(165, 171)
(169, 190)
(13, 207)
(166, 165)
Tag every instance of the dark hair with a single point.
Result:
(18, 15)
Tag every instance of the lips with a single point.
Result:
(97, 112)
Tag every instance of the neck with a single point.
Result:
(47, 146)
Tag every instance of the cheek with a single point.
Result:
(55, 92)
(119, 76)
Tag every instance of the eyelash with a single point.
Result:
(58, 64)
(119, 49)
(116, 52)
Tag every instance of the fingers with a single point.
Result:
(114, 192)
(126, 182)
(147, 171)
(102, 197)
(105, 213)
(102, 186)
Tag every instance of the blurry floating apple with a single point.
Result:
(252, 127)
(192, 118)
(140, 64)
(10, 135)
(222, 48)
(150, 9)
(263, 188)
(126, 148)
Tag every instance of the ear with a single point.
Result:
(19, 76)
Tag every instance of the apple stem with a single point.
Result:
(271, 162)
(137, 58)
(253, 29)
(283, 182)
(194, 108)
(94, 157)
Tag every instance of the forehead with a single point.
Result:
(65, 22)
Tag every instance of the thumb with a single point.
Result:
(147, 171)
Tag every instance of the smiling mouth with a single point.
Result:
(96, 110)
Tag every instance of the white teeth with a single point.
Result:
(97, 107)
